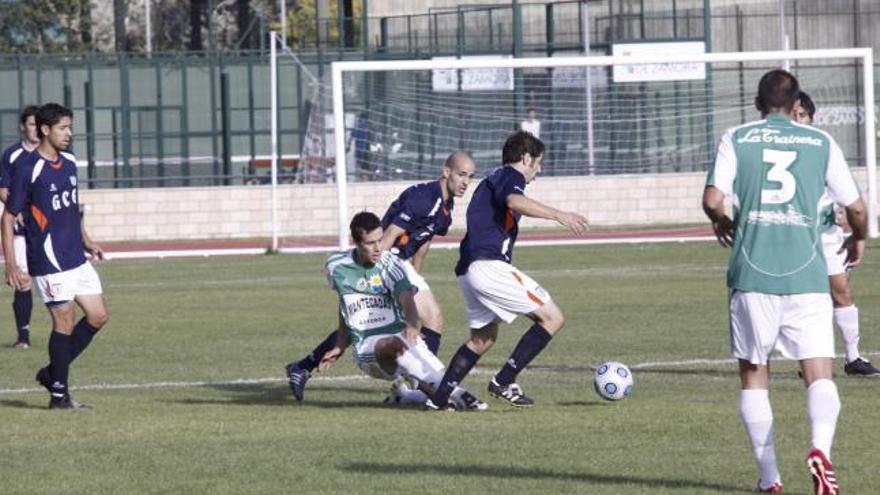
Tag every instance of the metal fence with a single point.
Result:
(203, 118)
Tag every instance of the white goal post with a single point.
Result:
(862, 55)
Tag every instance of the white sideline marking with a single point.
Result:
(195, 253)
(352, 378)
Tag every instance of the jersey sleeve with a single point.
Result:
(841, 185)
(414, 206)
(512, 182)
(5, 169)
(395, 276)
(19, 187)
(723, 172)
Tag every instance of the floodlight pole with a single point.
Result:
(273, 91)
(585, 20)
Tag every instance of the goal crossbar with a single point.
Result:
(864, 55)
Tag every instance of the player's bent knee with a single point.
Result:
(550, 317)
(98, 320)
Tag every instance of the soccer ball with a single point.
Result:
(613, 381)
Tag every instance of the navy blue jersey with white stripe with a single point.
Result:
(422, 213)
(47, 192)
(492, 227)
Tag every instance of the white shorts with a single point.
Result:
(493, 290)
(364, 355)
(831, 242)
(797, 325)
(414, 277)
(19, 245)
(65, 286)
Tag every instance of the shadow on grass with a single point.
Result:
(508, 472)
(20, 404)
(260, 394)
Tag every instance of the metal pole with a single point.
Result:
(783, 38)
(870, 142)
(585, 19)
(282, 8)
(149, 27)
(339, 135)
(273, 91)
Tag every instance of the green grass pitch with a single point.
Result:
(182, 330)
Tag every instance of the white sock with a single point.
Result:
(823, 407)
(757, 416)
(421, 365)
(847, 320)
(413, 397)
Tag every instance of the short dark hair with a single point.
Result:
(27, 112)
(807, 104)
(50, 114)
(362, 223)
(777, 90)
(518, 144)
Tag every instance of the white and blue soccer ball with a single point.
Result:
(613, 381)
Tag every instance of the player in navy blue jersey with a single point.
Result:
(492, 288)
(22, 303)
(410, 223)
(44, 188)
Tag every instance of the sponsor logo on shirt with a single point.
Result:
(788, 217)
(775, 136)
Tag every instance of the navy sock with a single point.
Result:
(529, 346)
(59, 360)
(81, 337)
(311, 361)
(22, 305)
(459, 367)
(432, 339)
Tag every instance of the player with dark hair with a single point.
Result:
(44, 185)
(846, 313)
(493, 289)
(378, 317)
(22, 303)
(777, 173)
(410, 224)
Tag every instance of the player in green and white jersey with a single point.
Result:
(775, 173)
(379, 319)
(846, 314)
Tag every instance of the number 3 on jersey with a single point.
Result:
(779, 161)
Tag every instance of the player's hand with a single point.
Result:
(19, 219)
(855, 251)
(17, 279)
(724, 230)
(329, 358)
(412, 335)
(575, 222)
(94, 250)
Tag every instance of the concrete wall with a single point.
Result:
(310, 210)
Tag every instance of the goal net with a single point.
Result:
(596, 115)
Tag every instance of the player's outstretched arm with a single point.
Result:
(389, 237)
(331, 356)
(857, 217)
(575, 222)
(713, 205)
